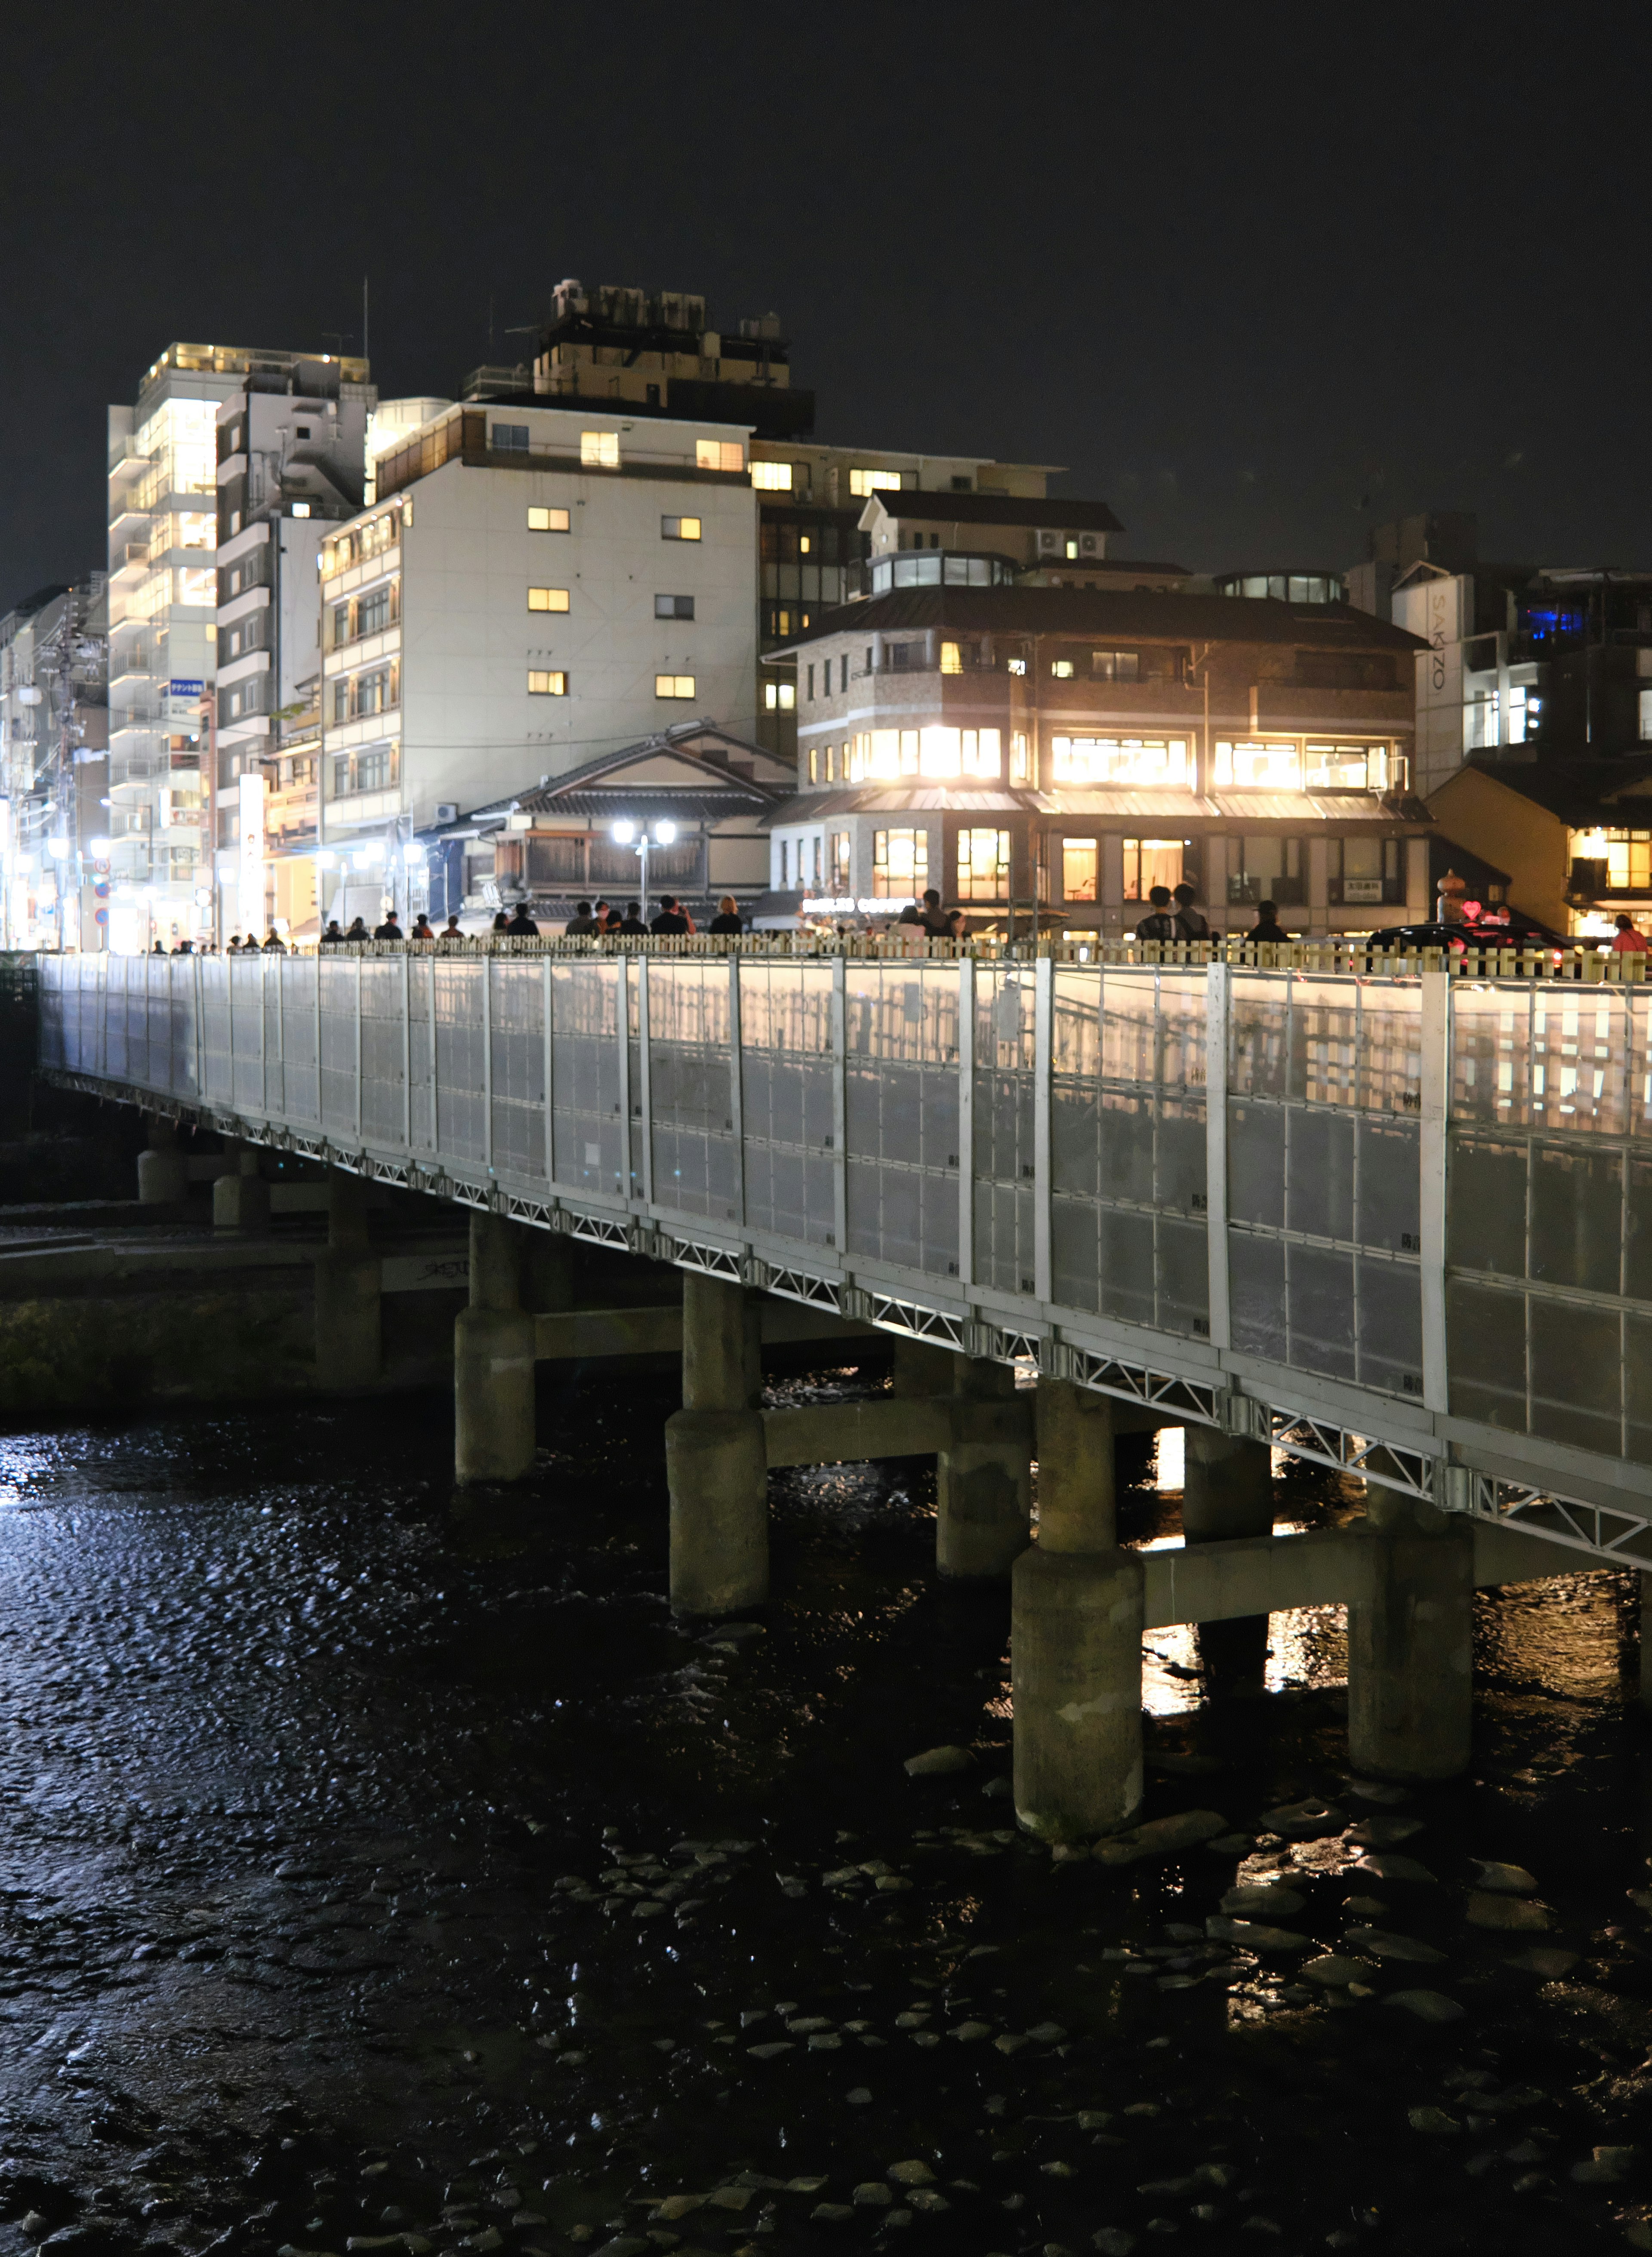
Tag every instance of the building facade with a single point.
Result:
(1078, 747)
(291, 461)
(163, 598)
(55, 847)
(535, 587)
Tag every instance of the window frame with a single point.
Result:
(677, 694)
(547, 682)
(671, 528)
(550, 515)
(548, 599)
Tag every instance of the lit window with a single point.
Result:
(772, 477)
(600, 449)
(1271, 768)
(1149, 862)
(679, 528)
(1072, 551)
(720, 454)
(674, 607)
(1265, 870)
(546, 685)
(1115, 665)
(839, 864)
(1015, 666)
(1020, 758)
(1061, 669)
(1628, 861)
(778, 697)
(984, 865)
(871, 482)
(547, 521)
(951, 658)
(1078, 869)
(674, 685)
(301, 509)
(831, 763)
(548, 599)
(1119, 759)
(1346, 767)
(511, 438)
(900, 863)
(814, 764)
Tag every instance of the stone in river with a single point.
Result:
(1427, 2005)
(1551, 1966)
(873, 2193)
(912, 2173)
(1335, 1972)
(1374, 1790)
(1254, 1935)
(1301, 1821)
(1386, 1866)
(768, 2052)
(1487, 1910)
(1384, 1833)
(1248, 1900)
(934, 1762)
(1433, 2121)
(1382, 1943)
(1160, 1837)
(1508, 1880)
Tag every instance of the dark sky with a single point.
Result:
(1257, 276)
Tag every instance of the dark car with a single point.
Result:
(1520, 932)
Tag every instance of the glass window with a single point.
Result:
(1015, 666)
(840, 862)
(871, 482)
(1270, 767)
(1020, 758)
(1268, 870)
(547, 521)
(1120, 760)
(679, 528)
(548, 599)
(600, 449)
(674, 607)
(1346, 767)
(543, 684)
(674, 685)
(1149, 862)
(984, 865)
(1359, 871)
(772, 477)
(906, 657)
(1061, 669)
(778, 697)
(1078, 869)
(900, 863)
(511, 438)
(1115, 665)
(951, 658)
(718, 455)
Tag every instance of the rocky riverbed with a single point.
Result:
(386, 1871)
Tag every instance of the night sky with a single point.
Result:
(1257, 277)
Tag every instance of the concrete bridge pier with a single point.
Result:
(1228, 1492)
(349, 1346)
(716, 1455)
(984, 1475)
(495, 1348)
(241, 1199)
(163, 1171)
(1076, 1611)
(1410, 1642)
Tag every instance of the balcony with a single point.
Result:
(129, 562)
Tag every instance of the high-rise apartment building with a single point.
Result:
(291, 463)
(54, 769)
(163, 595)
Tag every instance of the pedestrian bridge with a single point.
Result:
(1397, 1221)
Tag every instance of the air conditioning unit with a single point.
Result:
(1049, 544)
(1087, 543)
(447, 811)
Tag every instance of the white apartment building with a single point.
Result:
(291, 463)
(54, 769)
(163, 531)
(533, 588)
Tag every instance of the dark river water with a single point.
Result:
(382, 1870)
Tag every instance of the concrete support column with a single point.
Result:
(983, 1479)
(349, 1348)
(1228, 1491)
(163, 1171)
(494, 1351)
(1076, 1631)
(550, 1271)
(922, 1369)
(1646, 1642)
(716, 1459)
(241, 1200)
(1410, 1646)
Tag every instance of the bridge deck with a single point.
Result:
(1392, 1223)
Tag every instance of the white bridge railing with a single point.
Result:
(1399, 1223)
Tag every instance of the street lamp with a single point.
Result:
(627, 834)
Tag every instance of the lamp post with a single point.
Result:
(636, 834)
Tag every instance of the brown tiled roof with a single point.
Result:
(999, 509)
(1122, 614)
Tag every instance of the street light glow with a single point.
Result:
(99, 849)
(664, 833)
(59, 849)
(623, 833)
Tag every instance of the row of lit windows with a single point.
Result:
(366, 540)
(881, 755)
(553, 682)
(599, 451)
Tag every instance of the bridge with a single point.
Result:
(1388, 1216)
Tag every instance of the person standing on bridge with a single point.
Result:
(332, 937)
(630, 922)
(421, 928)
(390, 930)
(1626, 941)
(581, 924)
(1194, 925)
(522, 926)
(274, 946)
(671, 922)
(727, 919)
(1267, 926)
(1160, 922)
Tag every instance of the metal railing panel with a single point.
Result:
(901, 1114)
(585, 1101)
(694, 1146)
(788, 1084)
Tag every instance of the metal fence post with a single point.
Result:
(967, 1120)
(1218, 1003)
(736, 1088)
(1043, 1069)
(840, 1029)
(488, 1063)
(549, 1030)
(622, 1017)
(645, 1092)
(1435, 1092)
